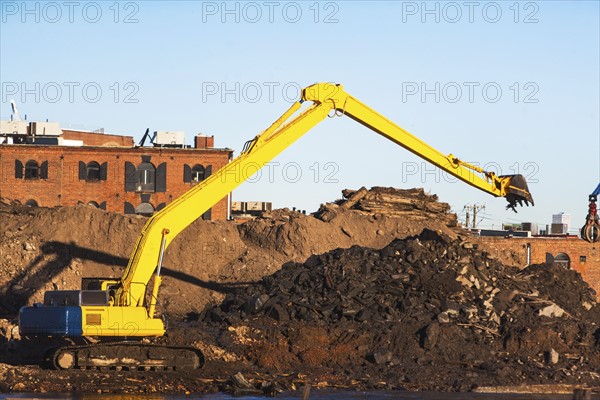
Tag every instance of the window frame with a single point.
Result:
(32, 170)
(92, 166)
(197, 171)
(145, 178)
(144, 204)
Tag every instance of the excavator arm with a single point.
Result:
(326, 99)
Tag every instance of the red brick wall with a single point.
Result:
(63, 186)
(513, 251)
(98, 139)
(204, 142)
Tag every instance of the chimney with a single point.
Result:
(204, 142)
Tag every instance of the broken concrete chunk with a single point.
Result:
(464, 281)
(551, 311)
(381, 357)
(443, 318)
(551, 356)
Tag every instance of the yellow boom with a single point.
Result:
(326, 98)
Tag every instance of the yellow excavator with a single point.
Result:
(125, 308)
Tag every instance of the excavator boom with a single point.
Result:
(124, 310)
(326, 98)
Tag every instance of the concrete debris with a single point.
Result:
(551, 311)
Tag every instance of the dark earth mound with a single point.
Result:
(424, 312)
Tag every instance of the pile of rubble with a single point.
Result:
(413, 203)
(427, 310)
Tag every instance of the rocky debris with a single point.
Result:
(9, 336)
(413, 203)
(418, 311)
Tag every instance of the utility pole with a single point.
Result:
(474, 208)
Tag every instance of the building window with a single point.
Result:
(94, 204)
(197, 173)
(145, 209)
(31, 203)
(582, 259)
(563, 259)
(92, 171)
(32, 170)
(145, 177)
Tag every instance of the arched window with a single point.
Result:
(93, 203)
(563, 259)
(145, 209)
(146, 177)
(31, 203)
(32, 170)
(198, 173)
(92, 171)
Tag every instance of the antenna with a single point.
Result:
(15, 110)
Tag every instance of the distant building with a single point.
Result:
(531, 227)
(44, 165)
(560, 224)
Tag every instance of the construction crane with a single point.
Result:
(126, 307)
(590, 230)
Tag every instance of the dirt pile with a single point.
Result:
(44, 249)
(425, 312)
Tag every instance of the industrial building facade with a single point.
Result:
(107, 171)
(570, 251)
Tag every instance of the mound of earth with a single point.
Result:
(53, 248)
(427, 312)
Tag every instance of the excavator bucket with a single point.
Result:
(517, 191)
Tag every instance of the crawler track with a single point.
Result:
(125, 356)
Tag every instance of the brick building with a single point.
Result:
(570, 251)
(106, 171)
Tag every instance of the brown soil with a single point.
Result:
(397, 310)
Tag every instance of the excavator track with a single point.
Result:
(129, 356)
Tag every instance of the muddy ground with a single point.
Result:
(380, 290)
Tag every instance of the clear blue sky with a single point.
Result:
(511, 86)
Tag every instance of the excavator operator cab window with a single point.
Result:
(94, 298)
(76, 298)
(61, 298)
